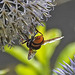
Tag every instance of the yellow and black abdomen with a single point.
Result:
(37, 42)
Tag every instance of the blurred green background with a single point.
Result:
(48, 56)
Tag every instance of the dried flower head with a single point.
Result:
(68, 69)
(20, 17)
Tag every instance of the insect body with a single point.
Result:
(35, 43)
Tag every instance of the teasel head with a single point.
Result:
(68, 69)
(20, 17)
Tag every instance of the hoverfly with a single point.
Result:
(35, 43)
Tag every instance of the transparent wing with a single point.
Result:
(31, 54)
(52, 40)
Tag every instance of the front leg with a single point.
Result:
(38, 32)
(22, 41)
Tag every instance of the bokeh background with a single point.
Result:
(63, 18)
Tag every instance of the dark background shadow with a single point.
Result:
(63, 18)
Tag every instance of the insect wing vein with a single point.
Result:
(52, 40)
(31, 54)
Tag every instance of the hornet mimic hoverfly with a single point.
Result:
(35, 43)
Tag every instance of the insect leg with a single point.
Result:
(26, 39)
(38, 32)
(22, 39)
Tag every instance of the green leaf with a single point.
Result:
(53, 33)
(25, 70)
(67, 52)
(19, 53)
(3, 72)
